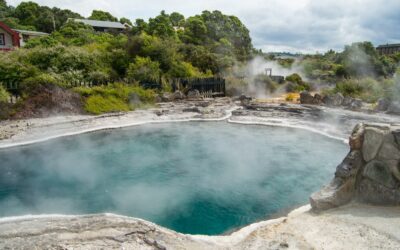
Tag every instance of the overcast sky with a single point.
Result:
(275, 25)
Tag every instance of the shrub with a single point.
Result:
(98, 104)
(295, 78)
(31, 83)
(4, 95)
(291, 97)
(115, 97)
(144, 69)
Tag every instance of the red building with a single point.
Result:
(12, 38)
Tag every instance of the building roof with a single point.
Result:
(30, 32)
(389, 45)
(101, 24)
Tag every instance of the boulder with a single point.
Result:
(328, 100)
(166, 97)
(356, 104)
(194, 94)
(317, 100)
(306, 98)
(373, 138)
(379, 172)
(342, 188)
(178, 95)
(337, 99)
(357, 137)
(134, 99)
(370, 173)
(394, 108)
(382, 104)
(192, 109)
(347, 100)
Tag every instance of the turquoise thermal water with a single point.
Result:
(200, 178)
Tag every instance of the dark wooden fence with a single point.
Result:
(212, 86)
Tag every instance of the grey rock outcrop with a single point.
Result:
(382, 104)
(337, 99)
(370, 173)
(306, 98)
(394, 108)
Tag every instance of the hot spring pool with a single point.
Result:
(199, 178)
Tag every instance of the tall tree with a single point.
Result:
(102, 16)
(27, 13)
(124, 20)
(177, 19)
(161, 26)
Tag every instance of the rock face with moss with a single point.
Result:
(369, 173)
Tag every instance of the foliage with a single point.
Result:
(367, 89)
(144, 69)
(113, 98)
(98, 104)
(102, 16)
(4, 95)
(295, 78)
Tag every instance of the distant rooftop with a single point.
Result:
(101, 24)
(389, 45)
(30, 32)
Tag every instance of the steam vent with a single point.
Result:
(369, 173)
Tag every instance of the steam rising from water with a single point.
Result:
(192, 177)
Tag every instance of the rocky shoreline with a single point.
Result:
(352, 226)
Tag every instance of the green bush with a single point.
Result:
(144, 69)
(4, 95)
(98, 104)
(367, 89)
(117, 95)
(30, 84)
(295, 78)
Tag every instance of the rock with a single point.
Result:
(166, 97)
(347, 101)
(350, 165)
(134, 99)
(306, 98)
(178, 95)
(203, 104)
(356, 104)
(158, 99)
(373, 139)
(245, 100)
(317, 100)
(394, 108)
(328, 100)
(342, 188)
(194, 94)
(382, 104)
(375, 193)
(370, 172)
(357, 137)
(192, 109)
(379, 172)
(389, 149)
(337, 99)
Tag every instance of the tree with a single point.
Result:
(161, 26)
(195, 30)
(27, 13)
(139, 26)
(177, 19)
(144, 69)
(102, 16)
(124, 20)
